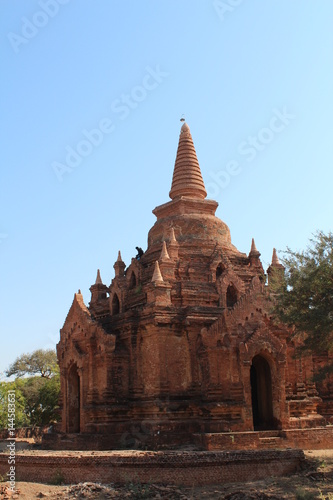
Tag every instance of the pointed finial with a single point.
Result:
(253, 246)
(79, 291)
(275, 265)
(184, 128)
(254, 252)
(187, 179)
(275, 259)
(98, 278)
(182, 118)
(172, 236)
(164, 253)
(157, 276)
(119, 266)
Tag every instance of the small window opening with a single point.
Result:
(219, 270)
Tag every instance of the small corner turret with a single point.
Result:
(119, 266)
(276, 268)
(98, 293)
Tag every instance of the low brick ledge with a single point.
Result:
(179, 468)
(313, 438)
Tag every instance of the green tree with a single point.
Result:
(42, 362)
(304, 294)
(21, 418)
(37, 395)
(41, 398)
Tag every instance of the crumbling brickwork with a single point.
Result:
(182, 342)
(182, 468)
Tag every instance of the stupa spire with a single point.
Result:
(119, 266)
(164, 253)
(253, 246)
(172, 236)
(187, 179)
(157, 276)
(254, 251)
(275, 259)
(98, 278)
(275, 265)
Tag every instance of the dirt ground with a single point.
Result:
(315, 481)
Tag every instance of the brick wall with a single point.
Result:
(319, 438)
(181, 468)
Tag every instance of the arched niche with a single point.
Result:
(115, 307)
(231, 296)
(132, 281)
(262, 394)
(73, 399)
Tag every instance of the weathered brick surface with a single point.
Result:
(184, 468)
(314, 438)
(182, 342)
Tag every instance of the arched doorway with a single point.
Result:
(261, 393)
(73, 402)
(231, 296)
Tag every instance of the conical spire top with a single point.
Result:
(275, 259)
(253, 246)
(187, 179)
(275, 265)
(157, 276)
(254, 251)
(164, 253)
(172, 236)
(119, 266)
(98, 278)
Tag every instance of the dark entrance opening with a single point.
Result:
(132, 283)
(73, 400)
(231, 296)
(219, 270)
(115, 304)
(261, 392)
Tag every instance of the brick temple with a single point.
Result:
(181, 344)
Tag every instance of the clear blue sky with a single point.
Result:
(133, 68)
